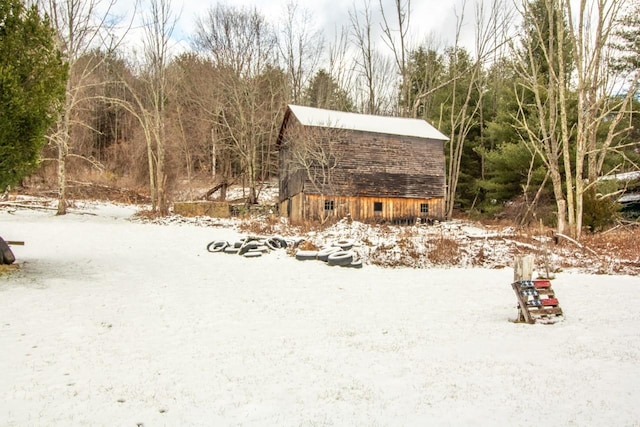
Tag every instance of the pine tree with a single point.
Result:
(32, 83)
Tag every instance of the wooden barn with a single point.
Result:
(373, 168)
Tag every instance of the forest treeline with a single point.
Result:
(542, 104)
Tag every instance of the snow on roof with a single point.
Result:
(309, 116)
(625, 176)
(630, 198)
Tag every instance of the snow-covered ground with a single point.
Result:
(115, 322)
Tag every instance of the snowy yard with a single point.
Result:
(117, 323)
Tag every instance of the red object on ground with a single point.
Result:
(542, 283)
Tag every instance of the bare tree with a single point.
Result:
(313, 154)
(340, 64)
(242, 46)
(159, 24)
(399, 46)
(371, 67)
(82, 26)
(300, 47)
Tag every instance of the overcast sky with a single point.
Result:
(428, 17)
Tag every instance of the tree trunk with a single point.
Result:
(62, 178)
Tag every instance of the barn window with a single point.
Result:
(424, 208)
(329, 205)
(377, 207)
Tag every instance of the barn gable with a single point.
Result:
(369, 167)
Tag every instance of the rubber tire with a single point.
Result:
(6, 256)
(324, 253)
(306, 255)
(340, 258)
(217, 246)
(247, 246)
(354, 264)
(283, 243)
(344, 244)
(273, 244)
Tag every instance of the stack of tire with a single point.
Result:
(6, 256)
(338, 254)
(250, 247)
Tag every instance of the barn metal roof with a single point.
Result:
(309, 116)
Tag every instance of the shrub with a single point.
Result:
(598, 212)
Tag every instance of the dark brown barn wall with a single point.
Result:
(372, 164)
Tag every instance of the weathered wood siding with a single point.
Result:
(372, 164)
(293, 207)
(394, 209)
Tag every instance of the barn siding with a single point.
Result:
(374, 165)
(362, 208)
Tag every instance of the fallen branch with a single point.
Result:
(27, 206)
(44, 208)
(575, 242)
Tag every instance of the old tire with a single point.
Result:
(283, 242)
(217, 246)
(248, 246)
(323, 254)
(344, 244)
(340, 258)
(273, 244)
(356, 263)
(6, 256)
(306, 255)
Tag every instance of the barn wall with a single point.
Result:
(293, 208)
(362, 208)
(379, 165)
(371, 165)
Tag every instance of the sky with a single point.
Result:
(428, 17)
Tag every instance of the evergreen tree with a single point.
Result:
(324, 92)
(32, 85)
(627, 39)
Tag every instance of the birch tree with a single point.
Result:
(566, 57)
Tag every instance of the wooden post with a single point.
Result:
(523, 268)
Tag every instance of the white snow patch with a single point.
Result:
(116, 322)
